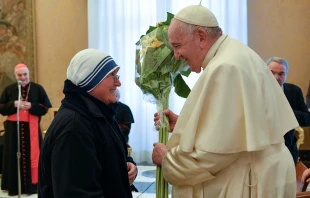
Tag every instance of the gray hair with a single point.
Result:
(278, 60)
(189, 28)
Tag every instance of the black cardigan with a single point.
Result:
(84, 153)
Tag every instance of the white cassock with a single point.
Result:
(228, 140)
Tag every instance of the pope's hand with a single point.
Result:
(172, 117)
(159, 152)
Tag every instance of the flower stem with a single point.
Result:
(161, 184)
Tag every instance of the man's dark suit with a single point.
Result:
(308, 97)
(296, 99)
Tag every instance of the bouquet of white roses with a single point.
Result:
(157, 71)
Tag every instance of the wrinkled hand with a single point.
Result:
(159, 152)
(172, 118)
(132, 172)
(305, 174)
(25, 105)
(16, 103)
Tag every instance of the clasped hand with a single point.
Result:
(172, 117)
(23, 105)
(132, 172)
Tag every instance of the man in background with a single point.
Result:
(279, 68)
(34, 103)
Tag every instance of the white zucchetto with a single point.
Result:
(197, 15)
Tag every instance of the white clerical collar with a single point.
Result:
(213, 51)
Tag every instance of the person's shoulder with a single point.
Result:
(68, 123)
(10, 86)
(121, 103)
(236, 54)
(231, 44)
(36, 84)
(72, 120)
(291, 86)
(124, 105)
(9, 89)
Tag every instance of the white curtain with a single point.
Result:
(115, 27)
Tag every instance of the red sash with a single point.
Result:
(33, 120)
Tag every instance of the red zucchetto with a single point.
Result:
(20, 65)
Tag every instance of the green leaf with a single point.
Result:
(138, 64)
(151, 28)
(169, 18)
(186, 72)
(181, 88)
(157, 70)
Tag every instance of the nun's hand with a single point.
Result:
(132, 172)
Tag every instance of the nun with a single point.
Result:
(84, 153)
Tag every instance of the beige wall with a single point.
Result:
(282, 28)
(61, 31)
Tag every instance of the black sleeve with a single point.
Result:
(290, 143)
(301, 111)
(40, 107)
(7, 106)
(74, 153)
(130, 159)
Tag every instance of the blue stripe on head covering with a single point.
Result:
(104, 67)
(97, 69)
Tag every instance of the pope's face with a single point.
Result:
(185, 46)
(279, 72)
(22, 74)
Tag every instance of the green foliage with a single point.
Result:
(181, 88)
(157, 71)
(156, 66)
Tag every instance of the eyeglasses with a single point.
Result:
(116, 77)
